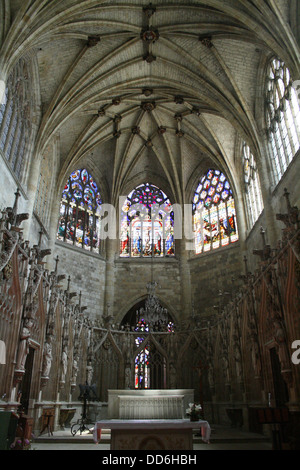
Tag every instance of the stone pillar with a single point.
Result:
(2, 88)
(111, 253)
(54, 217)
(4, 74)
(185, 277)
(184, 246)
(272, 227)
(33, 179)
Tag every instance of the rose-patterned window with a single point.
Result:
(147, 223)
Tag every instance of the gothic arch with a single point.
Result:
(109, 365)
(138, 301)
(151, 339)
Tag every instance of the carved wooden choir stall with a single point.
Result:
(52, 346)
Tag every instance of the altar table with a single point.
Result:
(152, 434)
(149, 404)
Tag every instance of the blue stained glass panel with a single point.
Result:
(79, 223)
(147, 230)
(214, 225)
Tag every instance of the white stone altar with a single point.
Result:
(149, 404)
(152, 434)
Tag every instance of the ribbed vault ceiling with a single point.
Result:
(137, 90)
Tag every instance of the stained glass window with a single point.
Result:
(214, 213)
(147, 224)
(252, 184)
(282, 116)
(142, 360)
(79, 222)
(149, 364)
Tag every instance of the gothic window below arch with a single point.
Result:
(147, 224)
(282, 117)
(148, 316)
(214, 213)
(79, 221)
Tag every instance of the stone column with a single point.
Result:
(4, 74)
(54, 217)
(33, 179)
(272, 227)
(2, 87)
(111, 251)
(184, 247)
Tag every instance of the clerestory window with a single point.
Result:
(252, 186)
(282, 117)
(147, 223)
(214, 213)
(15, 118)
(79, 220)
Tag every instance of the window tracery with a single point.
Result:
(214, 213)
(79, 221)
(15, 118)
(252, 185)
(282, 117)
(147, 223)
(144, 319)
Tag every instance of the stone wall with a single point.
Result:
(9, 185)
(87, 274)
(213, 272)
(278, 205)
(132, 276)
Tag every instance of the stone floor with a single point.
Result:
(222, 438)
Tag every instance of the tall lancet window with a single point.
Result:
(253, 190)
(282, 116)
(16, 119)
(147, 224)
(79, 221)
(214, 213)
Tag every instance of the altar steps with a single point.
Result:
(228, 435)
(219, 435)
(65, 437)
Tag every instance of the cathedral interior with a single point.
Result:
(150, 226)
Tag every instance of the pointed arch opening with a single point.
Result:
(144, 321)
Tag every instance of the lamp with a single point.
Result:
(153, 313)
